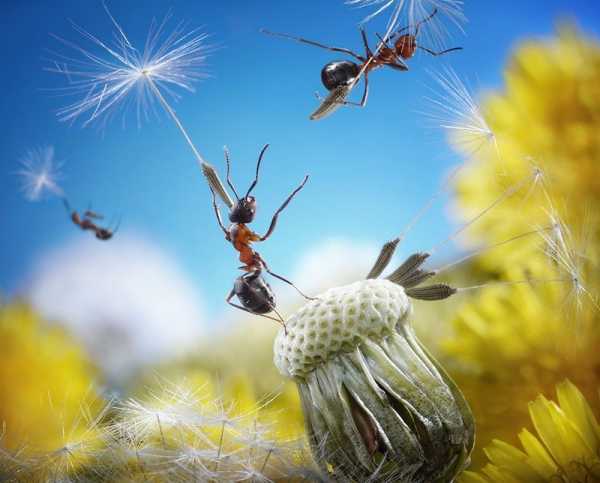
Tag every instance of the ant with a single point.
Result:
(251, 289)
(340, 76)
(87, 222)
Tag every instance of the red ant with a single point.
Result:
(87, 222)
(340, 76)
(251, 289)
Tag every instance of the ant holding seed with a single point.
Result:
(251, 289)
(86, 222)
(340, 76)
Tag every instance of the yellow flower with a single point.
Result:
(48, 409)
(566, 448)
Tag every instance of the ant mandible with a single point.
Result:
(254, 293)
(340, 76)
(86, 222)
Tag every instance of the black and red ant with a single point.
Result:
(87, 223)
(251, 289)
(340, 76)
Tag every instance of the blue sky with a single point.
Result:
(370, 169)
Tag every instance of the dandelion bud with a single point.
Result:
(377, 407)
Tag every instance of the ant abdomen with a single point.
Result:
(339, 73)
(254, 293)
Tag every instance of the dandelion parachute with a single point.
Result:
(113, 74)
(40, 173)
(410, 12)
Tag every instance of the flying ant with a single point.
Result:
(340, 76)
(86, 222)
(251, 289)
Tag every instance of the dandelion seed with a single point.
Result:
(559, 247)
(410, 12)
(105, 77)
(454, 110)
(40, 174)
(81, 445)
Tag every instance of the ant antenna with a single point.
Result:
(417, 26)
(257, 169)
(425, 20)
(226, 151)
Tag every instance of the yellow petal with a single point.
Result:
(558, 433)
(470, 477)
(579, 412)
(498, 475)
(512, 460)
(539, 459)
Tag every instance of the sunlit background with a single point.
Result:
(155, 293)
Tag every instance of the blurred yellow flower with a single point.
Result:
(512, 342)
(547, 119)
(49, 411)
(566, 448)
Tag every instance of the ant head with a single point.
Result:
(406, 46)
(244, 210)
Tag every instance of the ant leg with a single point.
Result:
(366, 43)
(218, 214)
(117, 226)
(363, 101)
(227, 161)
(67, 205)
(280, 209)
(283, 279)
(281, 321)
(384, 257)
(240, 307)
(312, 42)
(439, 53)
(260, 156)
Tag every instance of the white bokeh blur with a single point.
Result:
(334, 262)
(127, 301)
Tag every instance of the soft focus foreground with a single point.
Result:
(514, 342)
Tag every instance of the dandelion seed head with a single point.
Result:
(104, 75)
(40, 173)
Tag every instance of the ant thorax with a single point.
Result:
(339, 73)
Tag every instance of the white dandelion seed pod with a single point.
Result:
(338, 321)
(377, 407)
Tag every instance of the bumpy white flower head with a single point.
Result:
(338, 321)
(377, 407)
